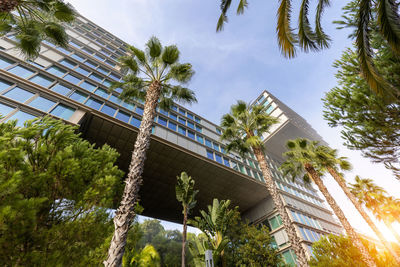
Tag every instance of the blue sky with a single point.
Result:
(240, 62)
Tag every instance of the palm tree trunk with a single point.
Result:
(184, 235)
(125, 213)
(394, 232)
(339, 213)
(8, 5)
(287, 223)
(338, 178)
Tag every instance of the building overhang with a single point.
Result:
(164, 162)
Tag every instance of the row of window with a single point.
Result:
(298, 193)
(304, 219)
(310, 235)
(234, 165)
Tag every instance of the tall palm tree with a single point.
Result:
(307, 38)
(243, 128)
(32, 21)
(327, 159)
(300, 162)
(148, 76)
(385, 208)
(185, 194)
(215, 224)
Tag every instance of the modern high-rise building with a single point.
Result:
(71, 84)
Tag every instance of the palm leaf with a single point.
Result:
(321, 38)
(224, 6)
(306, 34)
(389, 22)
(286, 37)
(242, 5)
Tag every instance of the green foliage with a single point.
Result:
(148, 256)
(55, 191)
(215, 224)
(370, 124)
(244, 126)
(157, 64)
(185, 192)
(35, 21)
(339, 251)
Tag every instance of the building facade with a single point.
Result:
(72, 85)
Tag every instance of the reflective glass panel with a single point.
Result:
(210, 154)
(88, 86)
(102, 93)
(94, 103)
(191, 135)
(68, 63)
(21, 117)
(110, 111)
(182, 130)
(139, 110)
(42, 103)
(42, 80)
(218, 158)
(78, 96)
(63, 111)
(19, 94)
(96, 77)
(162, 121)
(135, 122)
(5, 62)
(82, 71)
(56, 71)
(172, 125)
(61, 89)
(199, 139)
(5, 109)
(21, 71)
(4, 84)
(72, 79)
(123, 116)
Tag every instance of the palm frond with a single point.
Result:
(153, 47)
(286, 37)
(64, 12)
(306, 34)
(129, 64)
(139, 54)
(368, 69)
(170, 54)
(321, 37)
(224, 6)
(28, 39)
(242, 5)
(55, 33)
(182, 94)
(389, 22)
(182, 73)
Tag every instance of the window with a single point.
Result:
(174, 108)
(198, 120)
(162, 121)
(162, 111)
(182, 130)
(21, 117)
(115, 99)
(190, 116)
(269, 110)
(107, 83)
(101, 58)
(216, 146)
(72, 79)
(57, 71)
(65, 51)
(4, 84)
(128, 105)
(199, 139)
(102, 93)
(110, 111)
(79, 96)
(208, 143)
(275, 222)
(199, 128)
(289, 258)
(82, 71)
(181, 120)
(139, 110)
(42, 80)
(182, 111)
(21, 71)
(235, 166)
(90, 64)
(42, 103)
(110, 63)
(5, 109)
(190, 124)
(5, 62)
(88, 50)
(218, 158)
(63, 111)
(226, 162)
(115, 77)
(19, 94)
(191, 135)
(96, 77)
(103, 70)
(218, 130)
(78, 57)
(135, 122)
(94, 103)
(172, 116)
(68, 63)
(88, 86)
(210, 154)
(123, 116)
(172, 125)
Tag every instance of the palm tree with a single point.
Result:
(328, 159)
(215, 225)
(148, 76)
(243, 128)
(307, 38)
(185, 194)
(34, 21)
(385, 208)
(300, 162)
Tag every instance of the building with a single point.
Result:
(71, 84)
